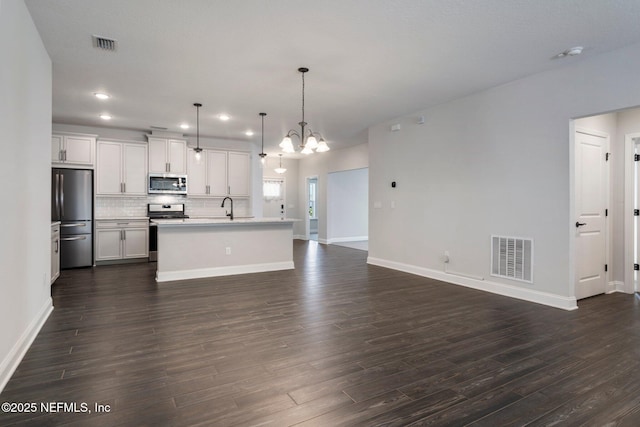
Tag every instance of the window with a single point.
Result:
(272, 189)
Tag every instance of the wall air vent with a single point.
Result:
(104, 43)
(512, 258)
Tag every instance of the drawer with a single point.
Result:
(122, 223)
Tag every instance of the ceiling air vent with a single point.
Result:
(104, 43)
(512, 258)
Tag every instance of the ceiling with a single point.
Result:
(369, 60)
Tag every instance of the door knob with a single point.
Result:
(580, 224)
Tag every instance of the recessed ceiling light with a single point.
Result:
(105, 117)
(224, 117)
(101, 95)
(249, 133)
(184, 126)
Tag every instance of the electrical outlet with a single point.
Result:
(446, 257)
(228, 250)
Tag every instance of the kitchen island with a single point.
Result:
(200, 247)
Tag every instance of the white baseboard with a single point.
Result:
(166, 276)
(347, 239)
(617, 286)
(13, 359)
(545, 298)
(300, 237)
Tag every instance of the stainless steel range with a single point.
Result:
(160, 211)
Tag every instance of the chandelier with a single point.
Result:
(308, 140)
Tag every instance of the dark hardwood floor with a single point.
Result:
(335, 342)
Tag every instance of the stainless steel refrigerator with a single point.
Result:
(72, 205)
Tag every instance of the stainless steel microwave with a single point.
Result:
(164, 183)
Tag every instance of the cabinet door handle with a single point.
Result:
(57, 245)
(64, 155)
(167, 167)
(124, 187)
(208, 190)
(124, 234)
(229, 189)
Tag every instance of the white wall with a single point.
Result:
(321, 164)
(497, 162)
(348, 205)
(25, 120)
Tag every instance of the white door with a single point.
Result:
(273, 198)
(591, 202)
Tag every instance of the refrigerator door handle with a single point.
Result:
(66, 239)
(57, 196)
(74, 224)
(61, 196)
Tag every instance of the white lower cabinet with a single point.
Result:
(55, 252)
(122, 239)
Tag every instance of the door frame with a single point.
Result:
(307, 218)
(573, 241)
(630, 286)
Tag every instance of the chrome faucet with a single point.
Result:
(230, 215)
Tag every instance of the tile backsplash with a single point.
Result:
(111, 207)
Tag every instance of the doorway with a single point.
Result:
(273, 196)
(622, 231)
(632, 213)
(312, 208)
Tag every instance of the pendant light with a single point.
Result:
(262, 154)
(280, 169)
(308, 142)
(198, 150)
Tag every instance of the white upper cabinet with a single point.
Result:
(134, 172)
(167, 155)
(121, 169)
(198, 184)
(239, 174)
(219, 174)
(208, 176)
(73, 150)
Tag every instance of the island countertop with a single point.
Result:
(220, 221)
